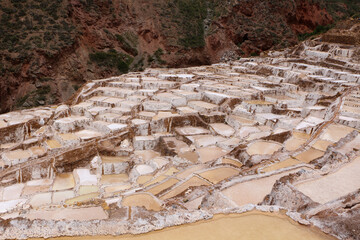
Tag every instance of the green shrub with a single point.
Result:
(139, 65)
(318, 30)
(76, 87)
(107, 31)
(41, 98)
(157, 55)
(126, 46)
(43, 90)
(150, 59)
(132, 38)
(45, 79)
(21, 101)
(112, 59)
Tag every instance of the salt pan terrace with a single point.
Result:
(147, 150)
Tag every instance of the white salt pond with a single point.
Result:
(334, 185)
(243, 193)
(263, 148)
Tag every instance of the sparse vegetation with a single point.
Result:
(43, 90)
(192, 14)
(318, 30)
(125, 45)
(112, 60)
(157, 55)
(187, 17)
(20, 101)
(139, 65)
(30, 26)
(76, 87)
(150, 59)
(46, 79)
(341, 9)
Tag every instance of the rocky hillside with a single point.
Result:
(48, 49)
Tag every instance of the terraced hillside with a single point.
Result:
(147, 150)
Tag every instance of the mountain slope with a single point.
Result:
(48, 50)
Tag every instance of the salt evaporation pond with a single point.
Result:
(246, 226)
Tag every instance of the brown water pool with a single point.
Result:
(246, 226)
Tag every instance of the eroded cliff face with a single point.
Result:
(49, 50)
